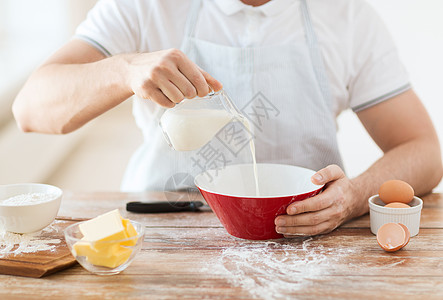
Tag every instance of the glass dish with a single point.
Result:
(73, 235)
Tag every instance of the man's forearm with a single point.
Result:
(418, 162)
(59, 98)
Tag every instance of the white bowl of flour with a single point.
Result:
(28, 207)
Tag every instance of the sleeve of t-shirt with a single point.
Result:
(111, 27)
(377, 74)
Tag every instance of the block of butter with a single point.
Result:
(99, 235)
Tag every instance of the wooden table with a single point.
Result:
(190, 255)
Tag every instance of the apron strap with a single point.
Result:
(315, 52)
(192, 18)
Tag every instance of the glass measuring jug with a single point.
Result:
(194, 122)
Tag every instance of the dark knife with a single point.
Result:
(163, 207)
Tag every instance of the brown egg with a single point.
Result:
(396, 191)
(397, 205)
(408, 234)
(391, 237)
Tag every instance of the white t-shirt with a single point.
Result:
(360, 57)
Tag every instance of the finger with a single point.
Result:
(157, 96)
(214, 83)
(322, 228)
(325, 175)
(316, 203)
(306, 219)
(293, 236)
(193, 74)
(183, 84)
(171, 91)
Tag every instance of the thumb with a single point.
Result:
(325, 175)
(214, 83)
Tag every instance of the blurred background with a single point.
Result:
(94, 157)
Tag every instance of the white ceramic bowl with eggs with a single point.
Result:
(27, 218)
(380, 215)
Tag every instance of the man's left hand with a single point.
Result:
(323, 212)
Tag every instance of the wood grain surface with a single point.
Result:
(190, 256)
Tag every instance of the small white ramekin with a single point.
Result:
(380, 215)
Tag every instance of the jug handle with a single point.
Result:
(211, 90)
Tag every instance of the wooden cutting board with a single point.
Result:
(42, 263)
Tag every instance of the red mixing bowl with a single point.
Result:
(231, 194)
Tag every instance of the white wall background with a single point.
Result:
(30, 30)
(417, 28)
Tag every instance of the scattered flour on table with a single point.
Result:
(28, 199)
(275, 269)
(16, 243)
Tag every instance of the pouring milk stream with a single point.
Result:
(194, 122)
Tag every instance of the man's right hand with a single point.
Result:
(78, 83)
(167, 77)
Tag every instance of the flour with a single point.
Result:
(275, 269)
(16, 243)
(28, 199)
